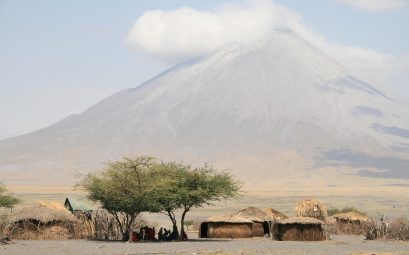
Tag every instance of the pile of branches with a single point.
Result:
(380, 227)
(101, 225)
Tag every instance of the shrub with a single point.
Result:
(333, 211)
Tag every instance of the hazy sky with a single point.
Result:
(59, 57)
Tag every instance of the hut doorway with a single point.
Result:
(266, 228)
(204, 230)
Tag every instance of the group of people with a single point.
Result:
(167, 235)
(149, 234)
(145, 233)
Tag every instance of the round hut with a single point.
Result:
(311, 208)
(300, 229)
(351, 222)
(226, 226)
(274, 214)
(259, 218)
(44, 221)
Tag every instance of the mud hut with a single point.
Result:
(311, 208)
(351, 222)
(44, 221)
(300, 229)
(261, 221)
(274, 214)
(226, 226)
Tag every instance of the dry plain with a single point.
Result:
(341, 244)
(393, 203)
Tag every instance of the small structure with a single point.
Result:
(300, 229)
(261, 221)
(77, 205)
(274, 214)
(311, 208)
(226, 226)
(43, 221)
(351, 222)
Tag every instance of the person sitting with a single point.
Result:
(160, 234)
(140, 237)
(134, 237)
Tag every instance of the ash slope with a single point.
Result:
(279, 94)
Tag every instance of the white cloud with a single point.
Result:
(184, 33)
(375, 5)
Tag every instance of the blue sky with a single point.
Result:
(60, 57)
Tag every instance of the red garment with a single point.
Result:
(151, 234)
(134, 237)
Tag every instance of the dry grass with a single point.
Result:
(311, 208)
(4, 221)
(380, 227)
(274, 214)
(257, 229)
(229, 230)
(229, 218)
(398, 229)
(301, 232)
(44, 221)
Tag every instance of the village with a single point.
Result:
(118, 195)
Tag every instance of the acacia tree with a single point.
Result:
(124, 189)
(7, 200)
(183, 187)
(168, 176)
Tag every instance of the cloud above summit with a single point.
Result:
(185, 32)
(177, 35)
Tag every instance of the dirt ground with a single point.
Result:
(341, 244)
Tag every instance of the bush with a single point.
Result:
(333, 211)
(380, 227)
(4, 222)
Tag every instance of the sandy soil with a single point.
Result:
(339, 245)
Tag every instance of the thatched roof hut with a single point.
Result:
(260, 219)
(226, 226)
(254, 214)
(274, 214)
(42, 221)
(311, 208)
(299, 229)
(351, 222)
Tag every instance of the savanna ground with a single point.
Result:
(339, 245)
(392, 204)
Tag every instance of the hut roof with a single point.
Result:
(254, 214)
(44, 212)
(351, 216)
(77, 204)
(311, 208)
(301, 220)
(274, 214)
(228, 219)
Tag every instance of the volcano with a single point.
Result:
(280, 102)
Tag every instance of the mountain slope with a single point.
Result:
(279, 94)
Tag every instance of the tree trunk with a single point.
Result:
(172, 217)
(129, 227)
(182, 224)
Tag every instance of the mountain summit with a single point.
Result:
(280, 100)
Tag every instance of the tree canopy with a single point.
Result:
(124, 190)
(7, 200)
(134, 185)
(184, 187)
